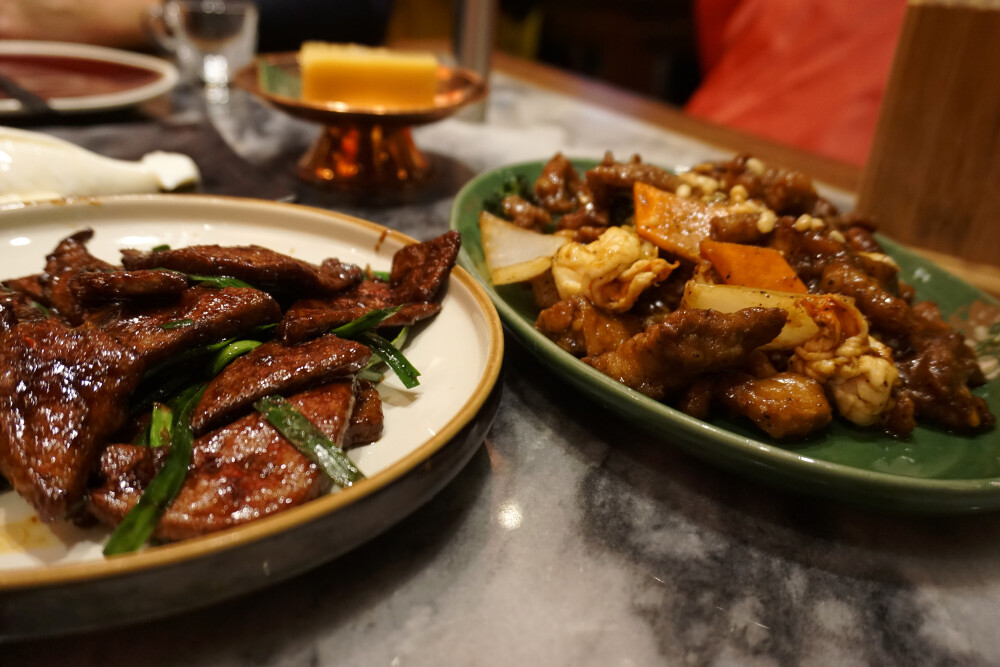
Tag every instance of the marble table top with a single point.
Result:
(571, 538)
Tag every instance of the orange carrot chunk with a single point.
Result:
(751, 266)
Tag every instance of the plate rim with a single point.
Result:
(168, 75)
(742, 447)
(192, 549)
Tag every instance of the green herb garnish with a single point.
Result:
(137, 526)
(309, 440)
(217, 281)
(399, 364)
(227, 354)
(177, 324)
(369, 320)
(160, 425)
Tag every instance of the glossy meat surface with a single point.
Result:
(62, 394)
(420, 271)
(274, 368)
(666, 357)
(559, 188)
(96, 287)
(785, 405)
(584, 330)
(202, 315)
(239, 473)
(253, 264)
(367, 419)
(416, 280)
(68, 259)
(308, 318)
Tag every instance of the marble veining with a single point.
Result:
(571, 538)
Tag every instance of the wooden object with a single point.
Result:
(933, 176)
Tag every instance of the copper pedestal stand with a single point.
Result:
(359, 149)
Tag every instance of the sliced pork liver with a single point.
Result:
(274, 368)
(239, 473)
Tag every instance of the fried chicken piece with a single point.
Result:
(611, 177)
(582, 329)
(784, 405)
(666, 357)
(524, 214)
(559, 187)
(784, 191)
(936, 378)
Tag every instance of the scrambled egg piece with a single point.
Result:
(857, 370)
(612, 271)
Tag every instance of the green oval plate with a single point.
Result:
(931, 472)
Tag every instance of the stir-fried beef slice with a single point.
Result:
(523, 213)
(63, 392)
(202, 315)
(668, 356)
(737, 228)
(785, 191)
(582, 329)
(274, 368)
(308, 318)
(886, 312)
(258, 266)
(17, 307)
(610, 178)
(367, 419)
(784, 405)
(30, 286)
(69, 258)
(239, 473)
(696, 398)
(559, 188)
(861, 239)
(97, 287)
(416, 280)
(936, 378)
(420, 271)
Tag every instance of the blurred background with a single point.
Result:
(805, 73)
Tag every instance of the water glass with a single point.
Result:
(210, 39)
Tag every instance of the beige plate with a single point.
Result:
(55, 580)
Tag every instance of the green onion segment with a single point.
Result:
(227, 354)
(177, 324)
(139, 523)
(217, 281)
(160, 425)
(369, 320)
(308, 439)
(399, 364)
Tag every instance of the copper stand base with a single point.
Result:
(364, 157)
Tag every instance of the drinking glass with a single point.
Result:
(210, 39)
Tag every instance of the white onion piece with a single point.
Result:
(799, 328)
(514, 254)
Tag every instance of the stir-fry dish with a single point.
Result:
(731, 288)
(188, 390)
